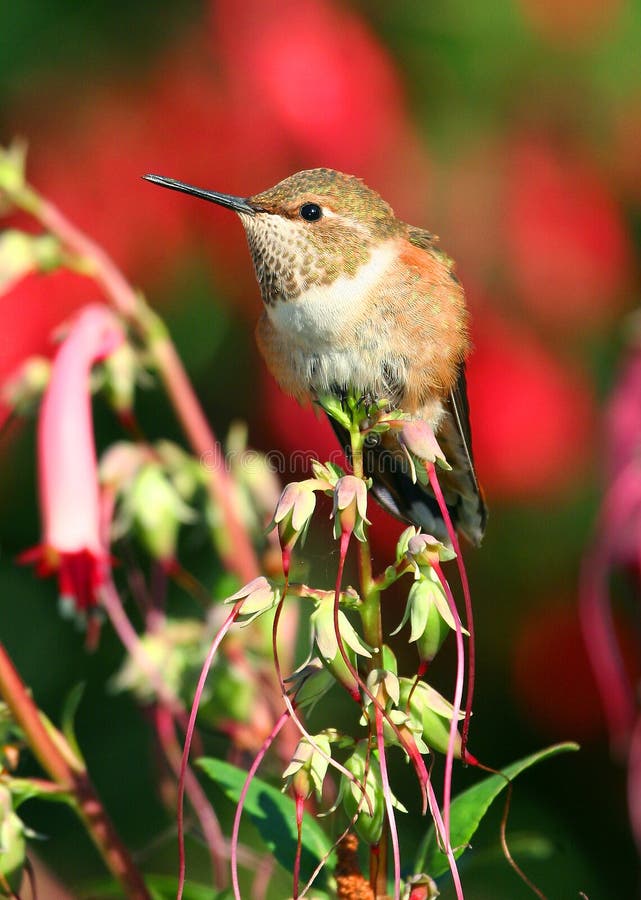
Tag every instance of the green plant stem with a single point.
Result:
(234, 545)
(69, 773)
(370, 610)
(371, 619)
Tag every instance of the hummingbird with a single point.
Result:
(356, 300)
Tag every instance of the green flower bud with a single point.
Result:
(175, 651)
(185, 471)
(308, 767)
(24, 388)
(120, 373)
(324, 636)
(433, 712)
(429, 613)
(21, 253)
(328, 472)
(13, 844)
(12, 170)
(309, 683)
(157, 511)
(368, 825)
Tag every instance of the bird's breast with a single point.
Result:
(326, 314)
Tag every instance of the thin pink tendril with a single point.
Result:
(243, 796)
(458, 694)
(444, 841)
(469, 613)
(389, 806)
(229, 621)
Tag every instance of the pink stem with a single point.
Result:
(387, 794)
(243, 795)
(229, 621)
(458, 694)
(599, 636)
(467, 597)
(445, 840)
(634, 783)
(295, 717)
(209, 823)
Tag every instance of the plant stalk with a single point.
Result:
(70, 775)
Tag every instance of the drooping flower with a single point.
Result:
(72, 544)
(350, 507)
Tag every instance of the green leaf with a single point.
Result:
(161, 887)
(468, 809)
(274, 815)
(164, 887)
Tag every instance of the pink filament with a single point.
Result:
(188, 739)
(467, 597)
(243, 795)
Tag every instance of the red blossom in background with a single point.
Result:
(72, 544)
(327, 85)
(532, 416)
(565, 242)
(552, 678)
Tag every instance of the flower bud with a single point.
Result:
(328, 472)
(24, 388)
(324, 636)
(308, 767)
(350, 507)
(21, 253)
(420, 887)
(370, 812)
(432, 711)
(294, 512)
(184, 470)
(309, 683)
(418, 439)
(157, 511)
(424, 550)
(429, 614)
(12, 843)
(12, 171)
(258, 596)
(120, 372)
(176, 651)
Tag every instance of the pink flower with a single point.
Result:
(72, 544)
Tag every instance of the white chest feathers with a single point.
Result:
(324, 312)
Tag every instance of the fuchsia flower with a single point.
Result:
(72, 544)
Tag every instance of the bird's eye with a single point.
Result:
(310, 212)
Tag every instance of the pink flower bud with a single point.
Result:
(350, 507)
(294, 511)
(72, 544)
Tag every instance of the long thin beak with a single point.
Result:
(238, 204)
